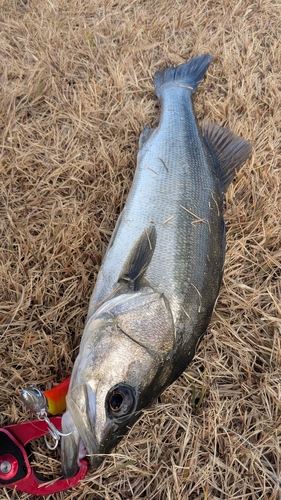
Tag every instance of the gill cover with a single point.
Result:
(117, 371)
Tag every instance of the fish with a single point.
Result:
(161, 274)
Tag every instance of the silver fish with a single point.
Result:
(161, 274)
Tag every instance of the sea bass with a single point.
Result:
(161, 274)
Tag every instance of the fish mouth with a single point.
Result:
(73, 450)
(79, 421)
(72, 447)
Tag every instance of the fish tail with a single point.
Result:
(186, 75)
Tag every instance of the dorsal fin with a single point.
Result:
(230, 151)
(139, 259)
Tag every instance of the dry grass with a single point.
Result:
(76, 90)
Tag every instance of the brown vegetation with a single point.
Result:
(76, 91)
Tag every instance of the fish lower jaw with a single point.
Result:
(96, 460)
(82, 451)
(91, 453)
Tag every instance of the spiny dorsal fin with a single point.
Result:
(230, 150)
(139, 258)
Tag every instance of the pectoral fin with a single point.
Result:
(139, 259)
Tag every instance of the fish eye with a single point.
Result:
(116, 401)
(120, 401)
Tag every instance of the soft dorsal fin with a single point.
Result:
(230, 150)
(139, 259)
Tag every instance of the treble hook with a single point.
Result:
(37, 402)
(55, 433)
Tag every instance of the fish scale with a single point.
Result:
(156, 194)
(161, 274)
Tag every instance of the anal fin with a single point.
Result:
(145, 134)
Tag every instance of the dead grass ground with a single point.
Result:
(76, 90)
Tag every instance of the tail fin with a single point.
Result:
(186, 75)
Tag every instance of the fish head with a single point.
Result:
(122, 366)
